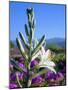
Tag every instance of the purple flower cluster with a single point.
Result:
(12, 85)
(38, 79)
(33, 63)
(21, 76)
(52, 78)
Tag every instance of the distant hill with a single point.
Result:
(57, 41)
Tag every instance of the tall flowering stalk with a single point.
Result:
(31, 52)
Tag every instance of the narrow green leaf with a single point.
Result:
(34, 22)
(26, 30)
(32, 13)
(39, 73)
(18, 81)
(21, 48)
(15, 64)
(23, 40)
(39, 45)
(35, 43)
(29, 23)
(31, 33)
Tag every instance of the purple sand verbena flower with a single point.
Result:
(20, 75)
(37, 80)
(50, 75)
(63, 71)
(21, 59)
(13, 76)
(53, 78)
(33, 63)
(59, 76)
(13, 85)
(11, 67)
(21, 65)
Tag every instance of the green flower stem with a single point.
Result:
(40, 73)
(18, 80)
(29, 82)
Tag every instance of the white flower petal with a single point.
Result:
(35, 56)
(47, 54)
(48, 67)
(43, 50)
(51, 68)
(49, 63)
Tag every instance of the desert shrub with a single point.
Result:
(55, 48)
(59, 57)
(11, 44)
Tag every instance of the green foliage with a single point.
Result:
(11, 44)
(59, 53)
(55, 48)
(59, 57)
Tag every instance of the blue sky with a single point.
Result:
(50, 19)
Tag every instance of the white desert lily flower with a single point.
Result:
(45, 59)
